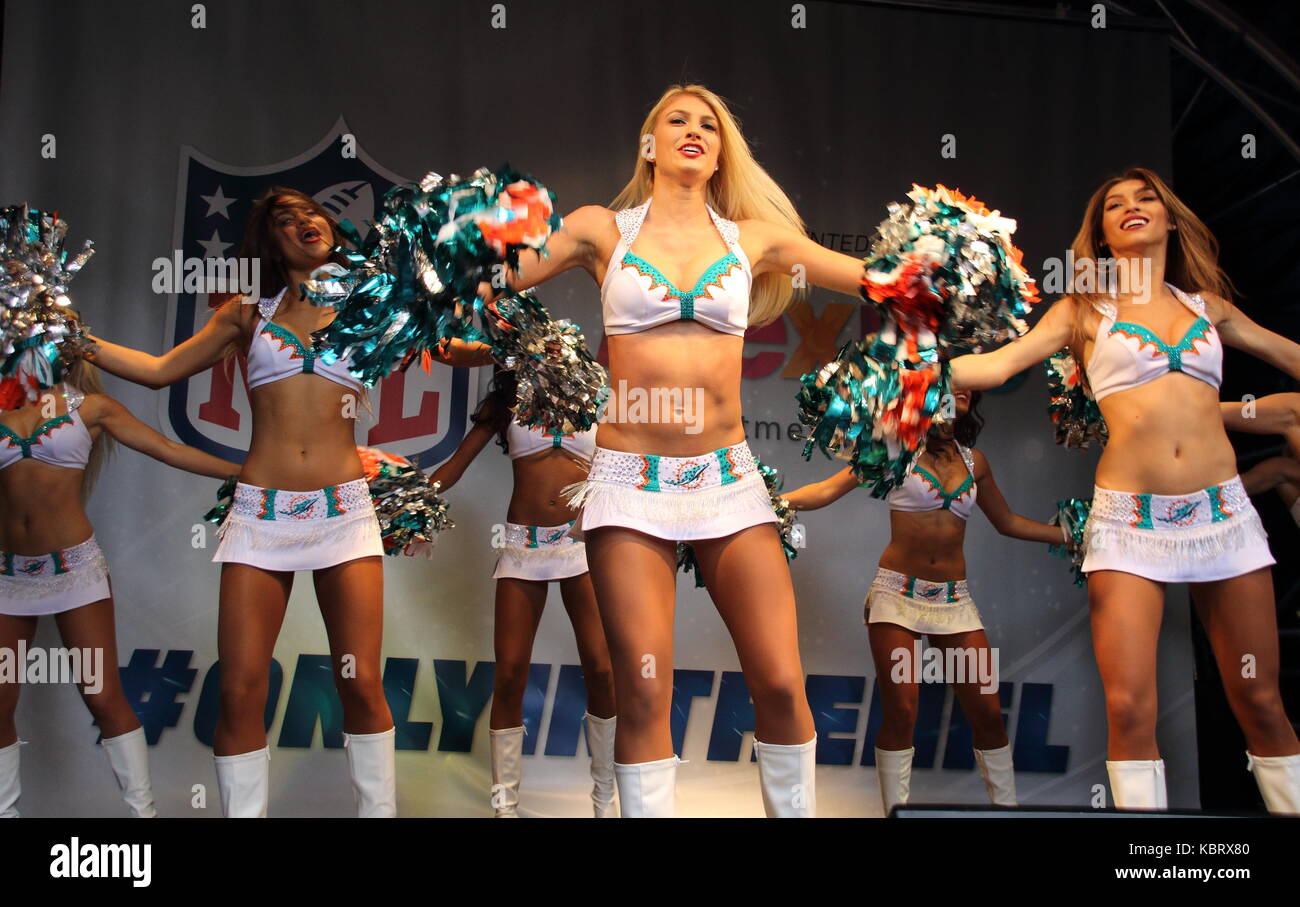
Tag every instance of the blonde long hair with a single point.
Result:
(85, 377)
(1191, 258)
(740, 190)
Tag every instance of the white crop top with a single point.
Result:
(922, 490)
(1121, 358)
(277, 353)
(520, 441)
(61, 441)
(636, 296)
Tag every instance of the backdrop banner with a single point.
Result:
(151, 127)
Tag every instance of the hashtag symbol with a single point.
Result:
(152, 689)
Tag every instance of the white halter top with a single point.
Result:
(636, 296)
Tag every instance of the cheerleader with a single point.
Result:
(1168, 506)
(301, 504)
(920, 589)
(538, 548)
(51, 448)
(700, 245)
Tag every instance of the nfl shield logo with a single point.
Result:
(418, 416)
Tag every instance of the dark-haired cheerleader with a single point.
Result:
(920, 589)
(1168, 506)
(538, 548)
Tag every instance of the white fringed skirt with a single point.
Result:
(676, 498)
(53, 583)
(920, 605)
(299, 530)
(1207, 535)
(541, 553)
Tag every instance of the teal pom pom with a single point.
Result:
(871, 412)
(1072, 513)
(414, 282)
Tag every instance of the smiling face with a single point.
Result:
(686, 138)
(1133, 216)
(302, 235)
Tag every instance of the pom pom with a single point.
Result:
(1073, 409)
(414, 282)
(688, 563)
(225, 497)
(411, 512)
(561, 387)
(39, 332)
(791, 536)
(945, 277)
(1073, 515)
(873, 412)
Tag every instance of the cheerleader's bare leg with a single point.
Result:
(749, 580)
(1126, 611)
(898, 704)
(351, 598)
(637, 616)
(253, 603)
(983, 710)
(580, 602)
(519, 605)
(93, 627)
(1240, 619)
(13, 629)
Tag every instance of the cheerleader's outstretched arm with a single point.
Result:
(816, 495)
(1005, 520)
(981, 371)
(102, 411)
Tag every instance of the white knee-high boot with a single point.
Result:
(600, 744)
(507, 770)
(788, 776)
(1138, 784)
(1278, 778)
(128, 754)
(244, 781)
(894, 772)
(10, 788)
(372, 763)
(999, 775)
(647, 790)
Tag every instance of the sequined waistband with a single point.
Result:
(276, 504)
(651, 472)
(949, 592)
(1180, 511)
(520, 536)
(52, 564)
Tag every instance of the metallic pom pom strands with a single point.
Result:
(414, 282)
(38, 329)
(1074, 411)
(946, 280)
(411, 512)
(945, 276)
(225, 498)
(561, 387)
(791, 535)
(1073, 515)
(871, 412)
